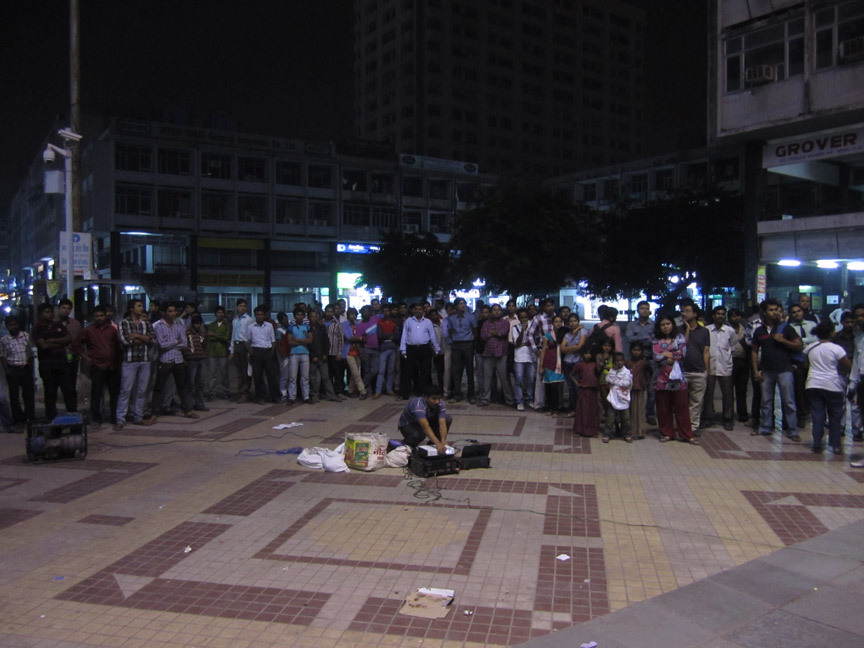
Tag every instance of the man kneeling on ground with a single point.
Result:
(425, 417)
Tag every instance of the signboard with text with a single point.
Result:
(82, 254)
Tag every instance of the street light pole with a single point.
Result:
(67, 166)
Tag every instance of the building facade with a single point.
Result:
(785, 84)
(215, 216)
(527, 87)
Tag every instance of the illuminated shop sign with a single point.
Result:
(357, 248)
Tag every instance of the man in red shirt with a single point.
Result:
(98, 346)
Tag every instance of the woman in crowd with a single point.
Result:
(824, 388)
(671, 388)
(553, 378)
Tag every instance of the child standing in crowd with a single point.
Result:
(586, 421)
(553, 378)
(603, 358)
(640, 369)
(619, 380)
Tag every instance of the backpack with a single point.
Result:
(597, 335)
(798, 357)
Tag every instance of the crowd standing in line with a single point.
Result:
(165, 361)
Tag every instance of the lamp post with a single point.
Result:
(70, 138)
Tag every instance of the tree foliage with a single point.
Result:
(408, 265)
(522, 240)
(694, 238)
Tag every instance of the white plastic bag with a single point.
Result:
(676, 373)
(333, 460)
(398, 457)
(310, 459)
(366, 451)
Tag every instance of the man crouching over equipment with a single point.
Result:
(425, 417)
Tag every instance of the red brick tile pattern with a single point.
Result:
(10, 516)
(7, 482)
(576, 586)
(167, 550)
(502, 626)
(573, 516)
(463, 562)
(253, 496)
(108, 520)
(792, 523)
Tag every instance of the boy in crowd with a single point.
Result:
(196, 359)
(218, 339)
(619, 380)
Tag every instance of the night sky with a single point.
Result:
(280, 68)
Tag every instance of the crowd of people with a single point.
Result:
(166, 361)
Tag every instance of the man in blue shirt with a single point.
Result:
(239, 350)
(417, 334)
(460, 328)
(425, 418)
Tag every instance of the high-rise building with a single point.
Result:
(516, 86)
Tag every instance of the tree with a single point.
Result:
(693, 238)
(407, 265)
(522, 240)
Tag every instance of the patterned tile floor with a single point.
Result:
(201, 534)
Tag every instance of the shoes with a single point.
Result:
(307, 401)
(376, 396)
(728, 426)
(628, 439)
(117, 427)
(795, 438)
(838, 450)
(289, 402)
(816, 449)
(334, 399)
(858, 437)
(472, 401)
(520, 407)
(483, 404)
(651, 420)
(190, 415)
(362, 396)
(605, 439)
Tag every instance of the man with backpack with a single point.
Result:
(778, 342)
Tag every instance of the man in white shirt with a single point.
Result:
(723, 341)
(261, 340)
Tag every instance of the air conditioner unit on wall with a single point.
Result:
(759, 74)
(852, 49)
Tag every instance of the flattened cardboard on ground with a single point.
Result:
(427, 605)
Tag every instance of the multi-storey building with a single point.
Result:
(217, 215)
(785, 84)
(517, 86)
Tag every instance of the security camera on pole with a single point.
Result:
(70, 139)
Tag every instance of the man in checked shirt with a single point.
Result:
(136, 334)
(16, 355)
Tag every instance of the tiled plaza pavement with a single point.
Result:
(198, 534)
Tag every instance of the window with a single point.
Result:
(638, 183)
(321, 213)
(228, 258)
(252, 169)
(353, 180)
(382, 184)
(216, 166)
(439, 222)
(589, 192)
(174, 162)
(440, 189)
(133, 158)
(216, 206)
(289, 173)
(610, 189)
(839, 30)
(356, 215)
(132, 200)
(665, 180)
(412, 221)
(252, 209)
(289, 211)
(320, 176)
(769, 54)
(174, 204)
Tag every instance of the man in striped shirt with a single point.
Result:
(16, 355)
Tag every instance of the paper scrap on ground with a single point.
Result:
(590, 644)
(562, 557)
(428, 603)
(285, 426)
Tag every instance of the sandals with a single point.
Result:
(605, 439)
(628, 439)
(693, 441)
(666, 439)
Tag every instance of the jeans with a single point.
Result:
(298, 361)
(178, 371)
(493, 365)
(133, 373)
(832, 402)
(786, 382)
(20, 378)
(386, 367)
(461, 359)
(195, 378)
(726, 387)
(264, 367)
(369, 362)
(54, 378)
(523, 373)
(218, 377)
(740, 377)
(5, 410)
(319, 380)
(100, 378)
